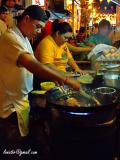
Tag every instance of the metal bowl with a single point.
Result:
(106, 95)
(105, 90)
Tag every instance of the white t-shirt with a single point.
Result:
(15, 82)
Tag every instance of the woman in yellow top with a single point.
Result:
(53, 51)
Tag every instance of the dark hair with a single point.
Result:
(95, 25)
(3, 9)
(104, 23)
(18, 7)
(82, 30)
(62, 27)
(35, 12)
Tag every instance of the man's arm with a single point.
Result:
(91, 40)
(75, 67)
(90, 44)
(78, 49)
(39, 69)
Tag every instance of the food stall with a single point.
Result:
(80, 121)
(106, 61)
(81, 125)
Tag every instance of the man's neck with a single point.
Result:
(21, 30)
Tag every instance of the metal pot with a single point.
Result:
(112, 78)
(106, 95)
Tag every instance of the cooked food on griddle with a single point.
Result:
(72, 102)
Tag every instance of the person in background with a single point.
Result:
(95, 28)
(12, 4)
(16, 80)
(53, 51)
(104, 29)
(81, 35)
(14, 9)
(3, 20)
(47, 30)
(115, 36)
(9, 4)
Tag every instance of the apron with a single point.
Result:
(23, 115)
(22, 106)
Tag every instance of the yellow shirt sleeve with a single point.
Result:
(45, 52)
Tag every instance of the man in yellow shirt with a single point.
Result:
(58, 56)
(53, 51)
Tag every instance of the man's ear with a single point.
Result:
(26, 18)
(58, 33)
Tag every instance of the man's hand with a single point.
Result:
(73, 83)
(80, 71)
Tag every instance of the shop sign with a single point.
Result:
(38, 2)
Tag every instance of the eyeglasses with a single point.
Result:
(38, 27)
(67, 37)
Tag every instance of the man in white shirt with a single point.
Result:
(17, 63)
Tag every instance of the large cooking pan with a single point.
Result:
(88, 114)
(86, 125)
(57, 99)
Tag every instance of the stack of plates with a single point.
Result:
(109, 57)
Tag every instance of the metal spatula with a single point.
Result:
(83, 93)
(64, 91)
